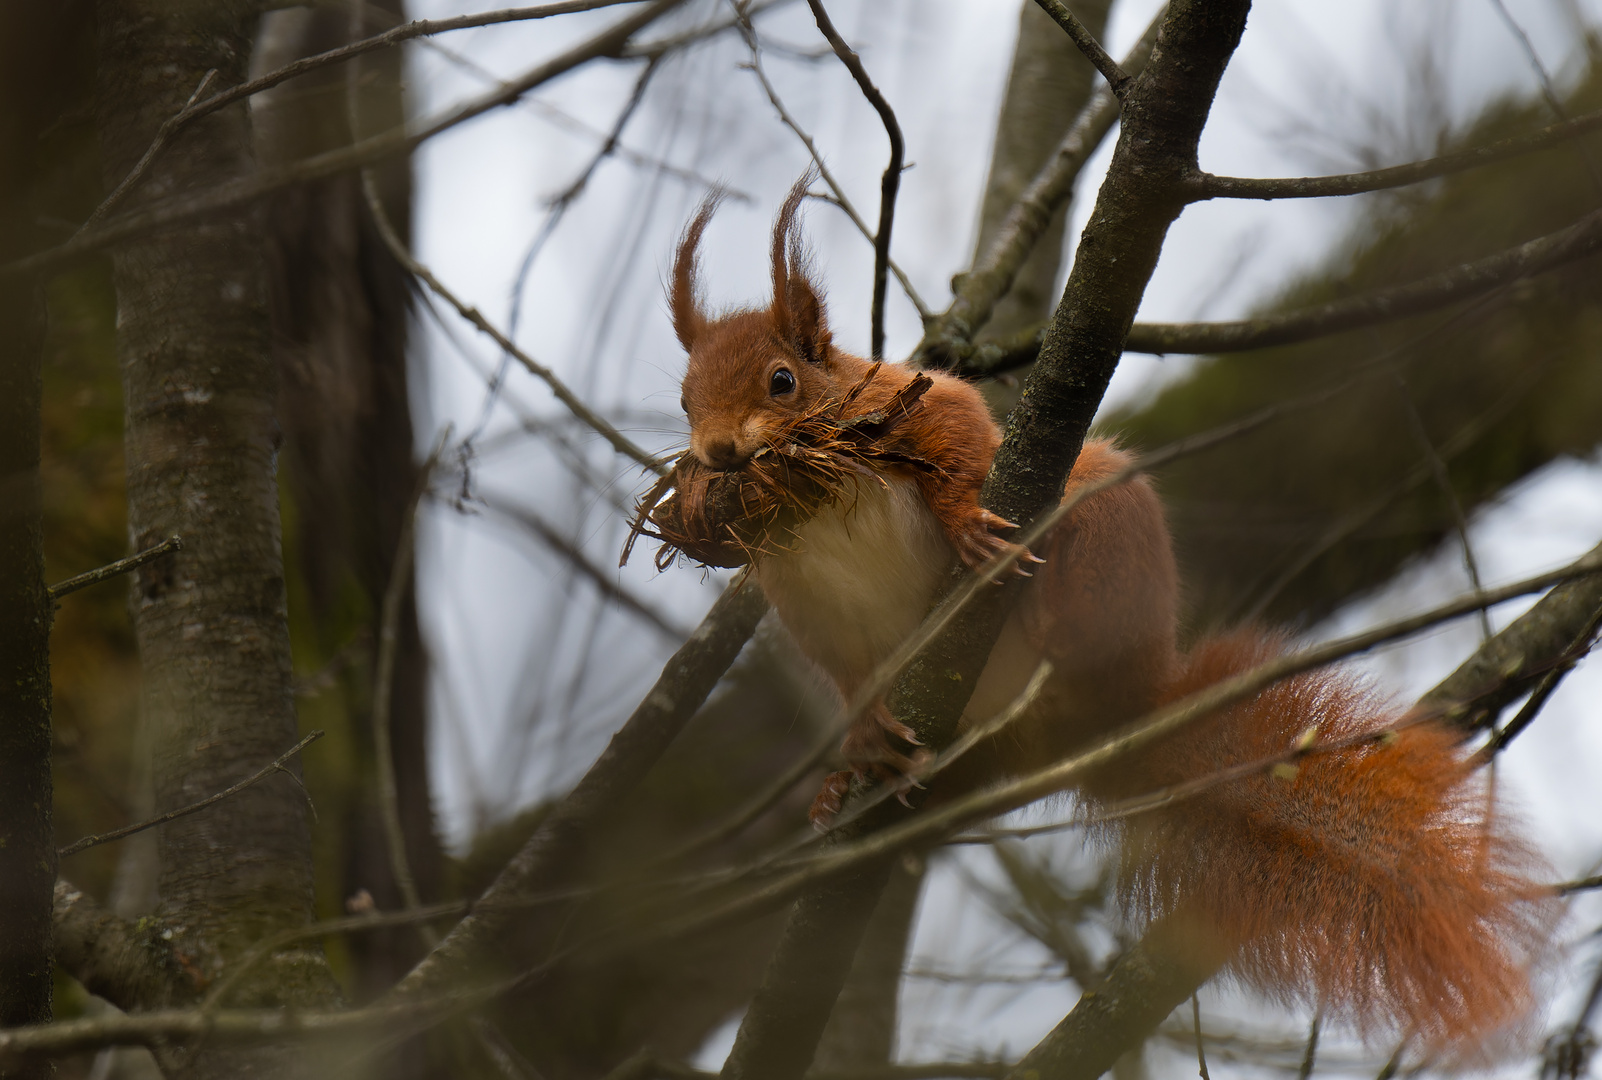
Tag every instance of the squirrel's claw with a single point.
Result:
(977, 544)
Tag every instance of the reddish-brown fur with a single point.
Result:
(1375, 883)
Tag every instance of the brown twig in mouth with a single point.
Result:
(731, 517)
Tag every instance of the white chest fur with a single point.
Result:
(860, 578)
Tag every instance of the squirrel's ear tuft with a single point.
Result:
(797, 308)
(684, 292)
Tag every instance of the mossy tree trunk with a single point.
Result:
(200, 393)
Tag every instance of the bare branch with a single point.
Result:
(111, 570)
(547, 858)
(950, 334)
(620, 442)
(172, 815)
(840, 198)
(1203, 185)
(1511, 663)
(137, 173)
(605, 583)
(1461, 282)
(357, 155)
(1117, 79)
(889, 184)
(932, 825)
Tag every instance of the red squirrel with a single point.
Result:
(1374, 884)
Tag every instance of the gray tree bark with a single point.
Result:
(1049, 83)
(200, 392)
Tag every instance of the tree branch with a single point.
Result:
(1461, 282)
(130, 966)
(889, 183)
(111, 570)
(948, 337)
(840, 198)
(257, 777)
(1203, 185)
(1150, 981)
(620, 442)
(189, 206)
(1117, 79)
(549, 856)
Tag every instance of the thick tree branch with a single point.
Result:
(550, 856)
(1505, 668)
(129, 966)
(190, 206)
(948, 337)
(1164, 113)
(1203, 185)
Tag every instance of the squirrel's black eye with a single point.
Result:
(781, 383)
(684, 404)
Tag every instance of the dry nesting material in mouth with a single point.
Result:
(731, 517)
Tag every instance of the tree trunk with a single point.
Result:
(339, 305)
(27, 843)
(200, 391)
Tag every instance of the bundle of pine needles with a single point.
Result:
(731, 517)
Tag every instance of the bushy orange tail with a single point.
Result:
(1375, 883)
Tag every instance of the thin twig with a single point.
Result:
(1443, 482)
(788, 875)
(1306, 1070)
(168, 128)
(889, 183)
(840, 198)
(1201, 1052)
(606, 584)
(1117, 80)
(111, 570)
(1545, 79)
(620, 442)
(172, 815)
(414, 29)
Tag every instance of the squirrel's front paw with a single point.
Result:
(977, 543)
(831, 797)
(879, 748)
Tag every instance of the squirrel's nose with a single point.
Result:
(722, 454)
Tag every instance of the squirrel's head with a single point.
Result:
(751, 372)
